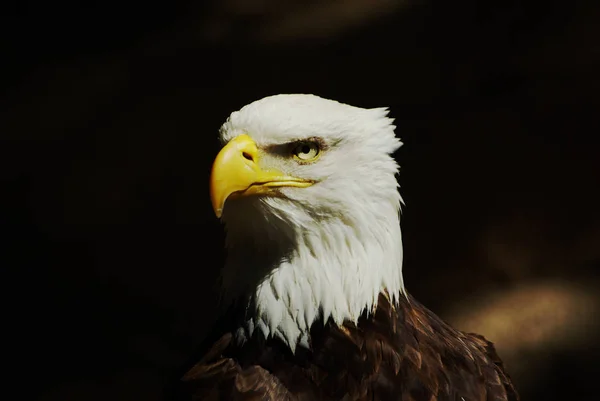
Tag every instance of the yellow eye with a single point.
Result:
(306, 151)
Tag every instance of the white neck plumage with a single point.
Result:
(292, 274)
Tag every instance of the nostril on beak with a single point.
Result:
(248, 156)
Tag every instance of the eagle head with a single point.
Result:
(307, 190)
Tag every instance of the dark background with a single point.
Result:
(109, 119)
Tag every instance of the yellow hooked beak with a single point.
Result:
(236, 171)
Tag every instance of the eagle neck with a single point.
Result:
(334, 271)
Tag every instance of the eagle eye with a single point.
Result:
(306, 151)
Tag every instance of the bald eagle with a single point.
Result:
(316, 306)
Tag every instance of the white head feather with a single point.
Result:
(325, 251)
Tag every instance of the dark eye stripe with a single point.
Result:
(286, 149)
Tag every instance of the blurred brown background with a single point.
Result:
(109, 119)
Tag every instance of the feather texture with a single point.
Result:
(399, 352)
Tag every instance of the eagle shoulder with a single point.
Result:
(216, 377)
(398, 352)
(460, 366)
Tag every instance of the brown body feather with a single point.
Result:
(402, 352)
